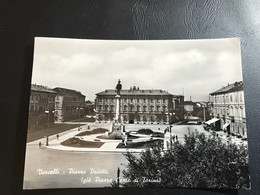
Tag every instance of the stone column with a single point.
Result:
(117, 119)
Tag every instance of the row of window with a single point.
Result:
(74, 105)
(36, 107)
(230, 112)
(73, 99)
(132, 100)
(237, 97)
(151, 118)
(134, 109)
(41, 97)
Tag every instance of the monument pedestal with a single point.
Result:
(116, 125)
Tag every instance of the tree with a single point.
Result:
(200, 161)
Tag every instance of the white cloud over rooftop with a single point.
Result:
(90, 66)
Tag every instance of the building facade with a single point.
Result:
(140, 106)
(42, 107)
(69, 104)
(228, 105)
(89, 108)
(188, 108)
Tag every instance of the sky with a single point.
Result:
(193, 68)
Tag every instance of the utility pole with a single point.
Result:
(204, 113)
(118, 177)
(47, 137)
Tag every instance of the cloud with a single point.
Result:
(198, 67)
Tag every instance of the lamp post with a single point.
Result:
(79, 116)
(48, 120)
(118, 177)
(204, 114)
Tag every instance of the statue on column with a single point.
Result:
(118, 87)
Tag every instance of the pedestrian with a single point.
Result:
(57, 136)
(40, 144)
(125, 140)
(176, 137)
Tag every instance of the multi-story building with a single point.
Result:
(188, 108)
(42, 106)
(89, 108)
(69, 104)
(228, 109)
(140, 106)
(178, 107)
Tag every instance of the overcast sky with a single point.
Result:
(195, 67)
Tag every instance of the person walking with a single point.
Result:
(40, 145)
(57, 136)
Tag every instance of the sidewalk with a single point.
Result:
(231, 139)
(108, 146)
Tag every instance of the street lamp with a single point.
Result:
(204, 114)
(118, 177)
(48, 120)
(79, 116)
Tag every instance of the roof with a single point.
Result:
(135, 92)
(41, 88)
(178, 96)
(64, 91)
(237, 86)
(189, 103)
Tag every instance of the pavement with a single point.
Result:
(110, 145)
(231, 139)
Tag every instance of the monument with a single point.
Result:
(117, 130)
(118, 89)
(116, 125)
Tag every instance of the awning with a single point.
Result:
(225, 126)
(213, 120)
